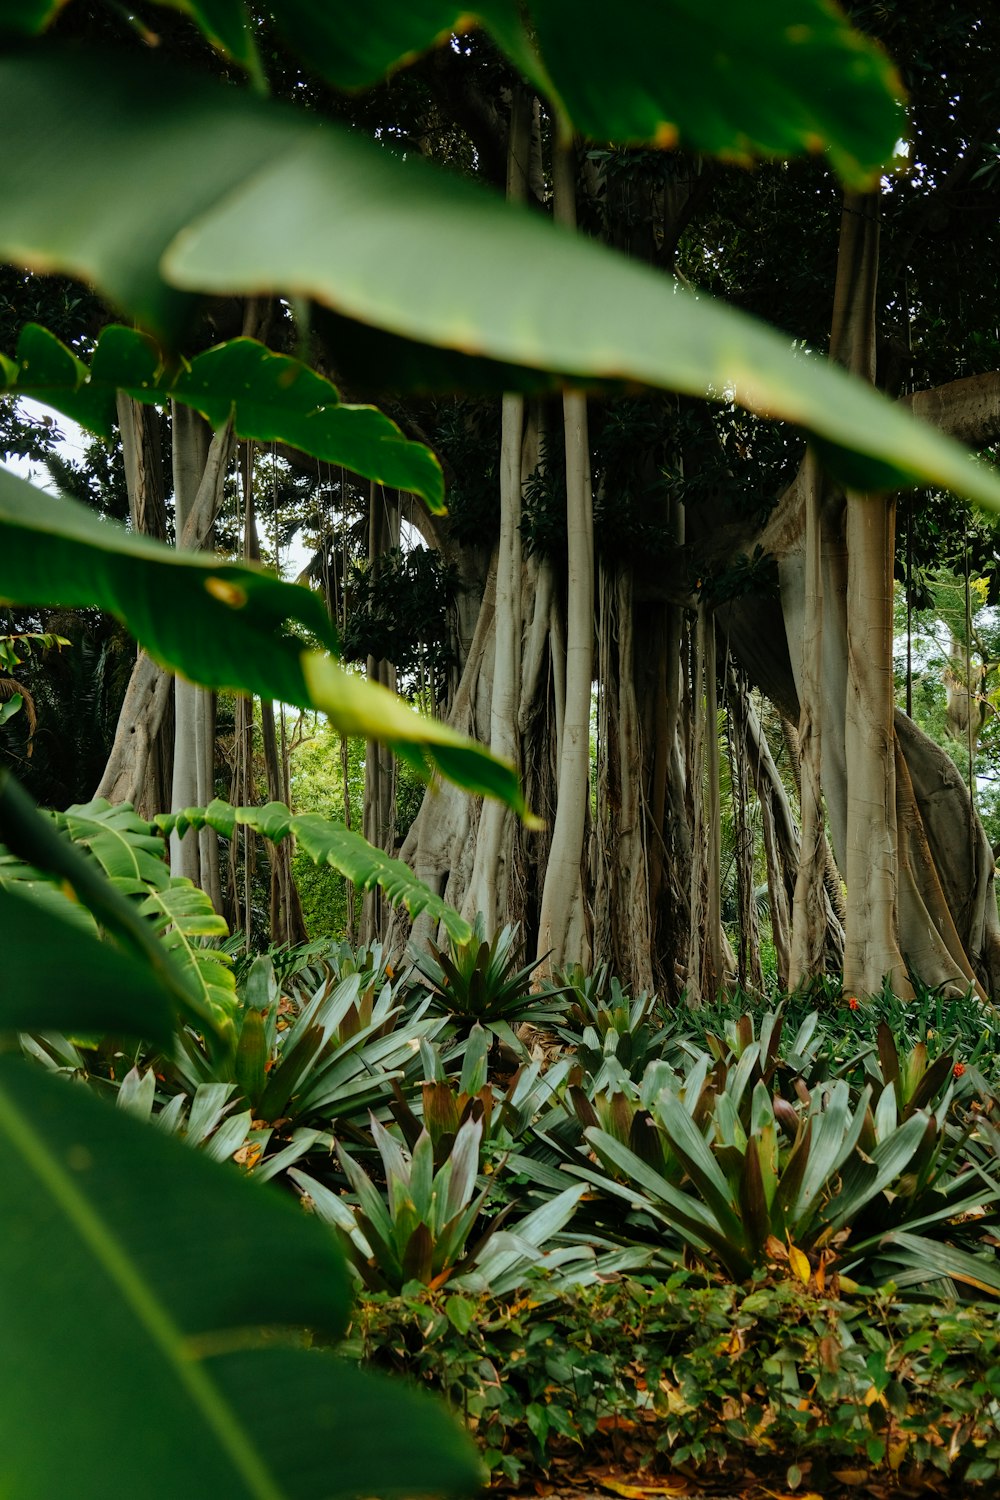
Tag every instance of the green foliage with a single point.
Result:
(329, 842)
(133, 857)
(307, 1057)
(224, 231)
(268, 396)
(481, 981)
(694, 1373)
(806, 65)
(181, 1319)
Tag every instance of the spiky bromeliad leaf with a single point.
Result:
(164, 1249)
(327, 842)
(269, 396)
(479, 275)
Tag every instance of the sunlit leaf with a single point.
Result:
(360, 707)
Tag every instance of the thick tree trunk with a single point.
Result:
(379, 809)
(140, 764)
(622, 928)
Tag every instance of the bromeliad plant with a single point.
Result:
(480, 980)
(816, 1178)
(421, 1227)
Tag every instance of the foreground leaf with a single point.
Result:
(360, 707)
(228, 626)
(164, 1251)
(270, 397)
(771, 79)
(774, 79)
(32, 837)
(479, 275)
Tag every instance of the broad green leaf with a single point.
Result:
(227, 626)
(182, 913)
(165, 1251)
(59, 978)
(132, 854)
(775, 78)
(28, 17)
(228, 26)
(270, 397)
(223, 625)
(478, 275)
(328, 842)
(353, 47)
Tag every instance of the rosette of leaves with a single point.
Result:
(483, 981)
(444, 1104)
(302, 1061)
(812, 1175)
(604, 1021)
(757, 1052)
(420, 1227)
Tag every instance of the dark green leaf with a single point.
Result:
(226, 626)
(165, 1252)
(28, 17)
(771, 79)
(33, 838)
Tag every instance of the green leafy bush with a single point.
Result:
(694, 1371)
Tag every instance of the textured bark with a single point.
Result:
(200, 462)
(622, 928)
(140, 763)
(379, 809)
(497, 844)
(871, 951)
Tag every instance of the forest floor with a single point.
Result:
(766, 1480)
